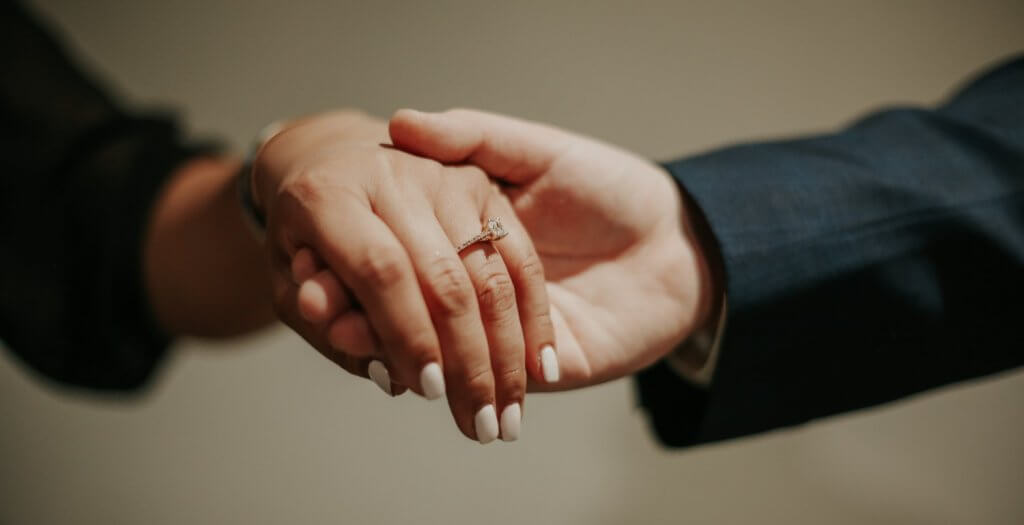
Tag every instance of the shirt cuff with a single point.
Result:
(695, 359)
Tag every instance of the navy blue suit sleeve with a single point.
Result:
(862, 266)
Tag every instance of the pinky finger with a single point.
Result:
(527, 274)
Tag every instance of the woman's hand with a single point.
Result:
(362, 239)
(626, 277)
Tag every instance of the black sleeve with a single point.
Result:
(862, 266)
(78, 176)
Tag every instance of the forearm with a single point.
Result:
(794, 214)
(205, 273)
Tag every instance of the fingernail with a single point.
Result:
(549, 364)
(486, 425)
(511, 422)
(432, 381)
(380, 376)
(312, 301)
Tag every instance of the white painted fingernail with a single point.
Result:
(432, 381)
(379, 374)
(486, 423)
(549, 364)
(511, 422)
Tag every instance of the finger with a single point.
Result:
(305, 264)
(496, 296)
(351, 333)
(527, 275)
(318, 300)
(450, 297)
(287, 255)
(513, 150)
(321, 298)
(362, 362)
(377, 371)
(285, 300)
(364, 253)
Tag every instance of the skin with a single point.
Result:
(623, 252)
(205, 273)
(361, 240)
(603, 257)
(627, 272)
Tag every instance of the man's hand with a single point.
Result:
(626, 279)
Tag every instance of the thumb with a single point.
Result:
(515, 151)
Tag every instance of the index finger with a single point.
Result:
(364, 253)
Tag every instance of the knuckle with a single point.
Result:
(543, 323)
(479, 382)
(450, 287)
(383, 269)
(419, 347)
(497, 295)
(512, 375)
(512, 381)
(305, 189)
(531, 269)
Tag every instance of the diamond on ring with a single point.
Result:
(492, 231)
(495, 228)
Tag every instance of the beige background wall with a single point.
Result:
(263, 430)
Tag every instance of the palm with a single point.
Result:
(623, 274)
(607, 227)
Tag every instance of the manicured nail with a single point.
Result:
(511, 422)
(379, 374)
(432, 381)
(486, 423)
(549, 364)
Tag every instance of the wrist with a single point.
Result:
(708, 259)
(250, 208)
(203, 272)
(285, 146)
(250, 190)
(694, 357)
(688, 269)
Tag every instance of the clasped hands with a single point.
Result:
(600, 275)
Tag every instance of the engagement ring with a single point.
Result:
(492, 231)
